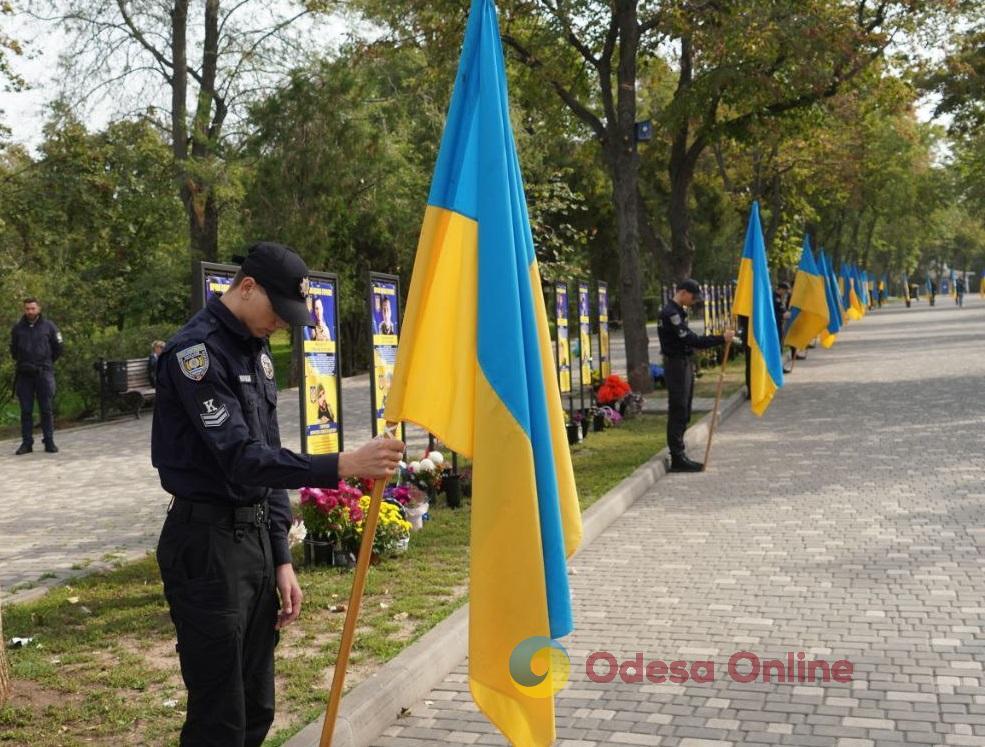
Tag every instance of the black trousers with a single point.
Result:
(679, 377)
(39, 386)
(219, 583)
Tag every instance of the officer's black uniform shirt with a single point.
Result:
(37, 345)
(215, 437)
(676, 339)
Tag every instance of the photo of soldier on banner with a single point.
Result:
(563, 346)
(384, 306)
(584, 341)
(320, 392)
(605, 364)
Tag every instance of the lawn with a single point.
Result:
(102, 667)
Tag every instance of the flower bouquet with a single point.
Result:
(392, 529)
(330, 518)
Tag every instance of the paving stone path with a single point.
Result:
(848, 524)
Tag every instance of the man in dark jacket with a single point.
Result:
(35, 344)
(678, 342)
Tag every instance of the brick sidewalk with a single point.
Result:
(848, 523)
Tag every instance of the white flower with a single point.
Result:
(427, 465)
(402, 465)
(414, 466)
(296, 533)
(437, 457)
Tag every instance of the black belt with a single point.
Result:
(257, 514)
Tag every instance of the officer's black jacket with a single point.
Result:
(676, 339)
(37, 344)
(215, 437)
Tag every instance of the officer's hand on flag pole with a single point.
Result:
(376, 459)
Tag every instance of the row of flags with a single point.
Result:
(821, 303)
(475, 368)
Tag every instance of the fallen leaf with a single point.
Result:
(73, 600)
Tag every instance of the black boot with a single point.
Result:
(24, 449)
(680, 463)
(50, 447)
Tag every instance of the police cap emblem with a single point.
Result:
(194, 361)
(267, 365)
(304, 286)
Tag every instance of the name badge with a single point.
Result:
(246, 379)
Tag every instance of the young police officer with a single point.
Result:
(223, 551)
(678, 343)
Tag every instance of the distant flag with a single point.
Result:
(475, 367)
(754, 299)
(808, 302)
(851, 300)
(834, 306)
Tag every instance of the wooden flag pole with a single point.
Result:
(718, 400)
(352, 612)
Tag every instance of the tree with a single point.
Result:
(211, 68)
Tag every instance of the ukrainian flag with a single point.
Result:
(754, 299)
(834, 305)
(808, 302)
(851, 301)
(475, 367)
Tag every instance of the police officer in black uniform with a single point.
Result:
(223, 551)
(35, 344)
(678, 343)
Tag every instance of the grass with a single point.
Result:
(735, 373)
(103, 668)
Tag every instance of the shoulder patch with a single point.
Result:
(58, 336)
(194, 361)
(675, 319)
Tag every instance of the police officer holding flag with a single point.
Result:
(223, 551)
(678, 343)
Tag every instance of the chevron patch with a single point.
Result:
(213, 410)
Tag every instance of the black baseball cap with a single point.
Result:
(283, 275)
(691, 286)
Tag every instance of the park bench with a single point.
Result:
(126, 381)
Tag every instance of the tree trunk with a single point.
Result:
(679, 214)
(203, 220)
(624, 163)
(625, 179)
(681, 168)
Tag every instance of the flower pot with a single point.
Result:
(598, 422)
(318, 550)
(574, 433)
(453, 490)
(415, 514)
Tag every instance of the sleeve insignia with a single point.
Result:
(212, 410)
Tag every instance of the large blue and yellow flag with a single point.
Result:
(475, 367)
(754, 299)
(829, 336)
(808, 302)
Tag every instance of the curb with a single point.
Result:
(376, 703)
